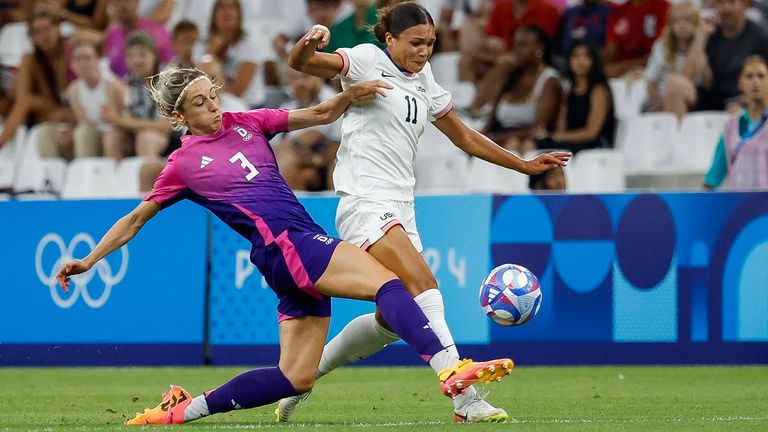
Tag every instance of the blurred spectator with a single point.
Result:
(354, 29)
(306, 158)
(141, 131)
(184, 38)
(477, 52)
(159, 11)
(227, 101)
(735, 39)
(741, 155)
(15, 11)
(507, 16)
(88, 14)
(633, 27)
(550, 180)
(324, 12)
(87, 96)
(671, 73)
(39, 90)
(236, 50)
(530, 95)
(587, 21)
(586, 117)
(127, 20)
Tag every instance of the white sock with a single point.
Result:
(431, 303)
(362, 337)
(196, 409)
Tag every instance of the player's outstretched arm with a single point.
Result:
(330, 110)
(121, 232)
(304, 56)
(480, 146)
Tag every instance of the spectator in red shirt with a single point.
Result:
(632, 29)
(504, 19)
(508, 15)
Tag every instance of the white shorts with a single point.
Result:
(363, 221)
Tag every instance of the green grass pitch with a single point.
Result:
(388, 399)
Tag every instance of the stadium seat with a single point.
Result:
(89, 178)
(440, 166)
(628, 97)
(699, 133)
(445, 68)
(126, 181)
(648, 143)
(34, 174)
(489, 178)
(9, 157)
(596, 171)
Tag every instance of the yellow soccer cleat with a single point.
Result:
(169, 411)
(455, 379)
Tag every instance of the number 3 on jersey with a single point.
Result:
(252, 171)
(413, 113)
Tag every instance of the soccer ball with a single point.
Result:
(510, 295)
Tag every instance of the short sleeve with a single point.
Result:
(719, 168)
(439, 98)
(169, 187)
(269, 121)
(358, 61)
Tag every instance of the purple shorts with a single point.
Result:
(294, 262)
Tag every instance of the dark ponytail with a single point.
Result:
(399, 18)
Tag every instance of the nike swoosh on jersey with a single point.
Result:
(386, 75)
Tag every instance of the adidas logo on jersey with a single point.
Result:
(205, 161)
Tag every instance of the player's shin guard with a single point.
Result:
(250, 389)
(407, 320)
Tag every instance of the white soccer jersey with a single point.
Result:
(378, 139)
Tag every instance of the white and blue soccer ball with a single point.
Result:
(510, 295)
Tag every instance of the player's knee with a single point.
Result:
(419, 282)
(302, 383)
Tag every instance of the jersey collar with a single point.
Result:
(405, 71)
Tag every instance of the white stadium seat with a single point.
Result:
(440, 166)
(487, 177)
(126, 181)
(10, 154)
(699, 133)
(89, 178)
(628, 96)
(596, 171)
(35, 174)
(648, 142)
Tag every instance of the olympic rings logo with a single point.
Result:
(80, 282)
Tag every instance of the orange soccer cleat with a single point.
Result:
(455, 379)
(169, 411)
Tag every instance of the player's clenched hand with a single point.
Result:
(366, 91)
(546, 161)
(71, 268)
(318, 35)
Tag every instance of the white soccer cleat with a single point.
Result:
(477, 410)
(286, 406)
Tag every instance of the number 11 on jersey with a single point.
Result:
(408, 101)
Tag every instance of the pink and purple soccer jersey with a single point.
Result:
(233, 173)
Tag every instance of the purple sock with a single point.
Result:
(250, 389)
(405, 317)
